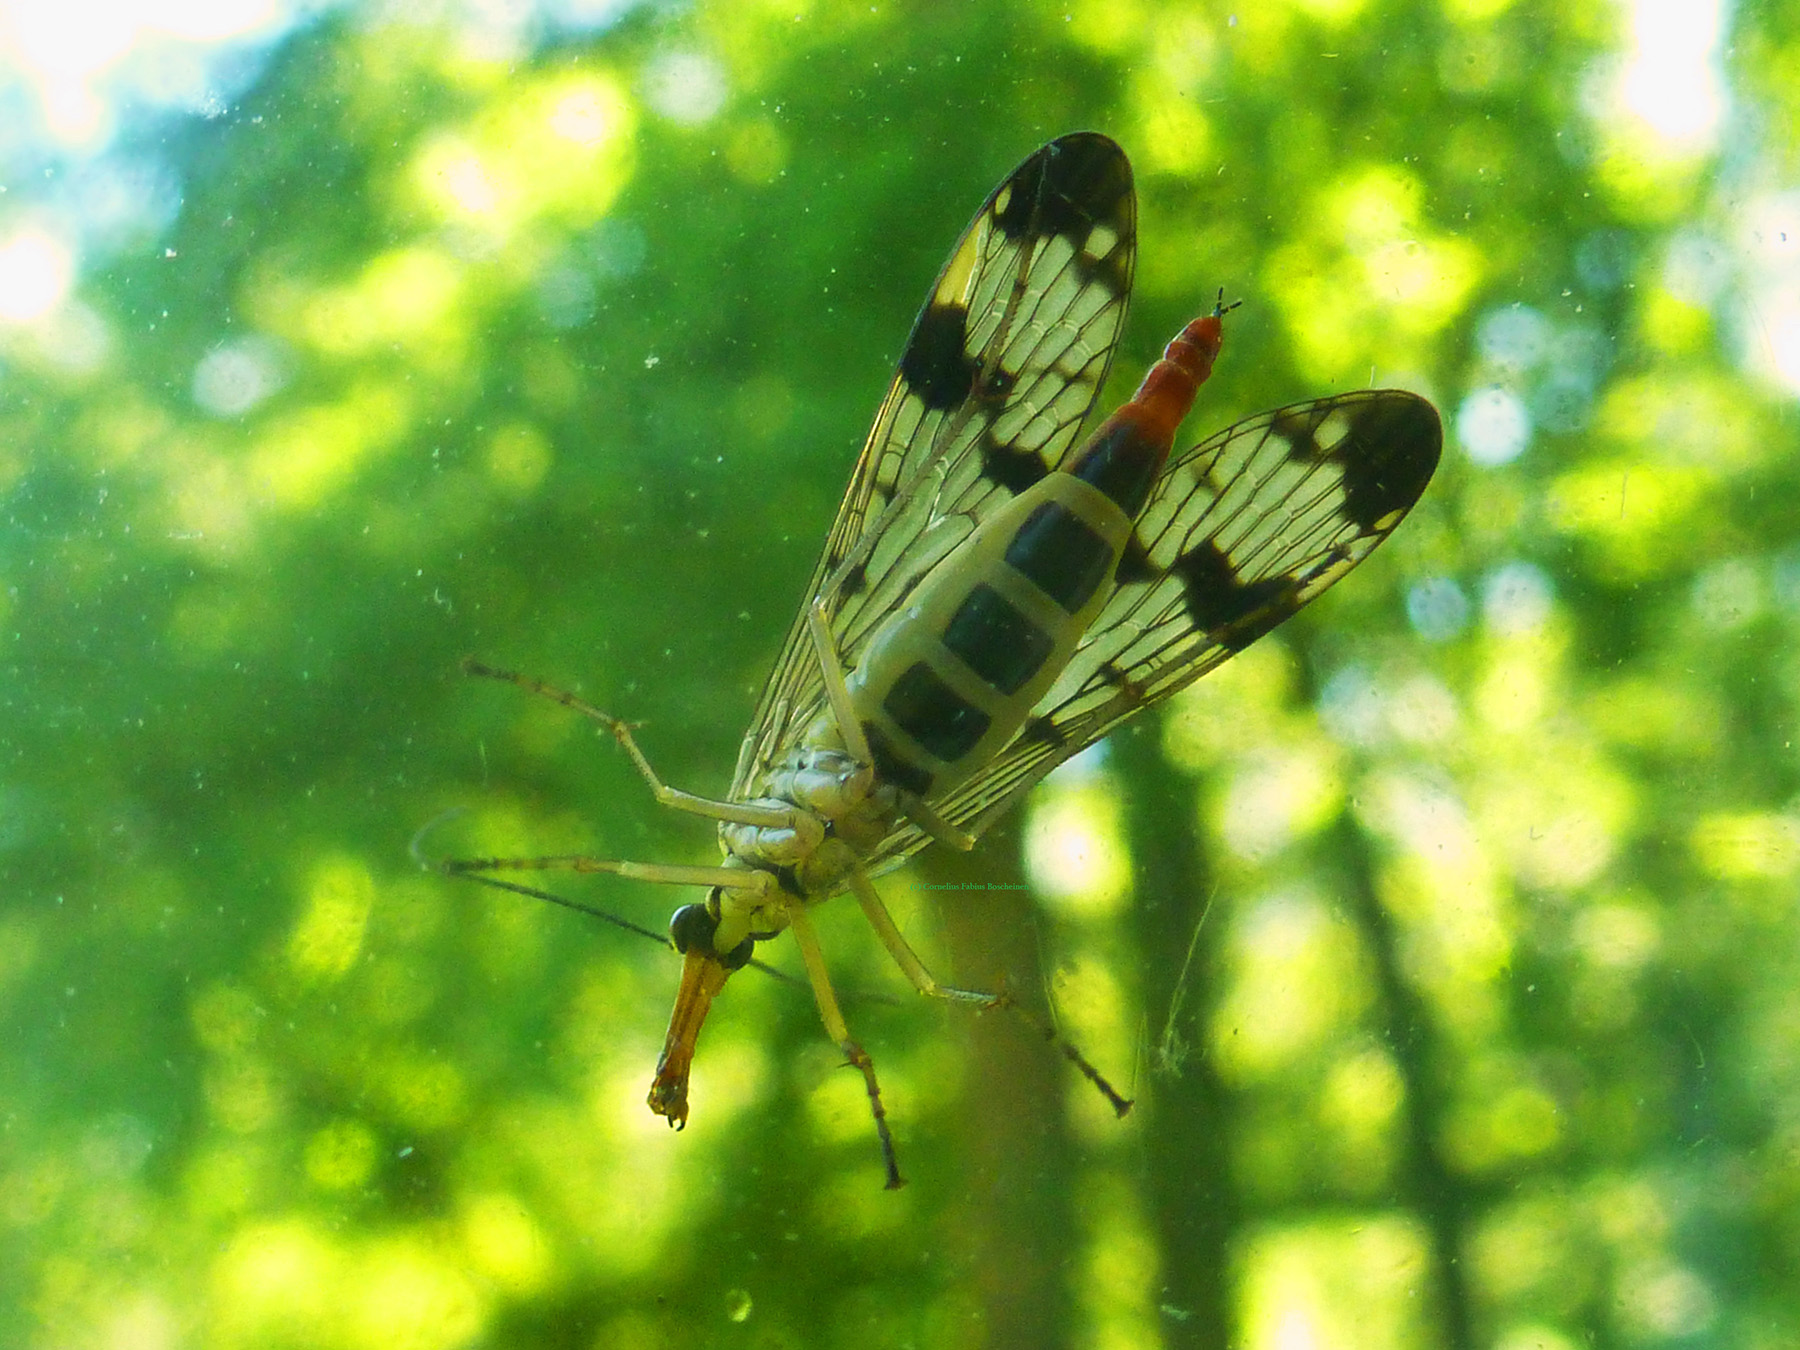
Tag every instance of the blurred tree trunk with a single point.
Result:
(1015, 1231)
(1187, 1136)
(1427, 1185)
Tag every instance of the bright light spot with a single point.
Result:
(35, 273)
(1351, 708)
(71, 38)
(1742, 845)
(1072, 851)
(1359, 711)
(468, 183)
(1728, 594)
(213, 20)
(74, 339)
(1696, 269)
(71, 50)
(503, 1237)
(685, 87)
(1562, 841)
(1671, 79)
(142, 1322)
(1493, 426)
(232, 379)
(1515, 337)
(329, 935)
(1784, 345)
(586, 15)
(1347, 1280)
(406, 1293)
(1425, 818)
(1768, 248)
(1083, 768)
(1294, 1330)
(1664, 1301)
(1533, 1336)
(1274, 799)
(1506, 1121)
(1769, 232)
(556, 147)
(1437, 608)
(1623, 937)
(1292, 983)
(341, 1156)
(87, 37)
(1423, 711)
(583, 116)
(275, 1274)
(1516, 598)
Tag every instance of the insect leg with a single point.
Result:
(737, 813)
(850, 729)
(876, 911)
(839, 1031)
(928, 820)
(831, 668)
(667, 874)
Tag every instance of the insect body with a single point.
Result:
(991, 600)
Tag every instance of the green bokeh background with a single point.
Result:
(1466, 1013)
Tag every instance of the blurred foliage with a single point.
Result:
(1447, 938)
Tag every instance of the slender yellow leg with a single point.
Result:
(667, 874)
(876, 911)
(856, 743)
(737, 813)
(940, 830)
(839, 1031)
(837, 693)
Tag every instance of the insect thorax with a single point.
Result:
(841, 813)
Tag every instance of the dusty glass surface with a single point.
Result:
(1447, 938)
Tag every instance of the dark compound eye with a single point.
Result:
(693, 925)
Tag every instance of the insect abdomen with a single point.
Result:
(950, 679)
(953, 676)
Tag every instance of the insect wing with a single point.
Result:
(1240, 532)
(1003, 366)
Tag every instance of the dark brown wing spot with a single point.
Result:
(937, 366)
(1217, 598)
(1296, 426)
(1388, 456)
(1111, 273)
(1086, 178)
(1064, 187)
(1009, 467)
(998, 384)
(1135, 565)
